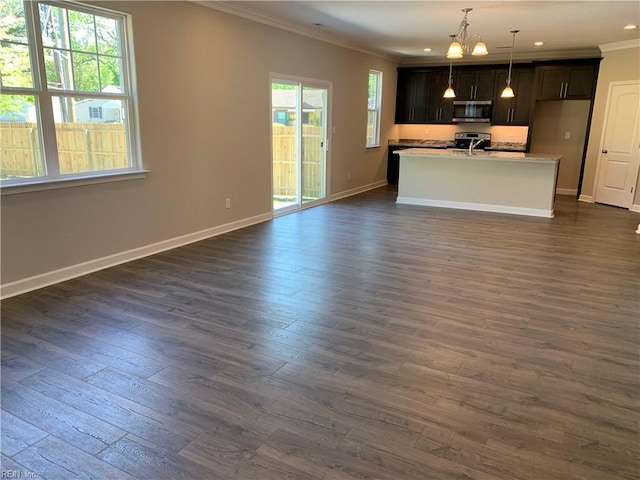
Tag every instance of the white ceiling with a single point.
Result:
(402, 29)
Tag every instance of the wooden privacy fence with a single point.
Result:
(86, 147)
(82, 147)
(284, 161)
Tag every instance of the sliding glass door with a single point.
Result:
(299, 146)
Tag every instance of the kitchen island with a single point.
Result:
(504, 182)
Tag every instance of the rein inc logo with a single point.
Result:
(17, 474)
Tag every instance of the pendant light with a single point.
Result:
(449, 93)
(508, 91)
(461, 42)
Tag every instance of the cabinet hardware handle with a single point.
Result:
(561, 89)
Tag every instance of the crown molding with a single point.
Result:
(238, 10)
(523, 57)
(610, 47)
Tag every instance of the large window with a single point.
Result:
(373, 106)
(66, 96)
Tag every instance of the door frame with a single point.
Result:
(311, 82)
(602, 138)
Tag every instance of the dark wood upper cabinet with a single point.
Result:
(570, 81)
(411, 96)
(439, 109)
(474, 84)
(516, 110)
(419, 97)
(419, 94)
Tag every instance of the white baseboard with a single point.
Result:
(355, 191)
(635, 208)
(566, 191)
(67, 273)
(483, 207)
(586, 198)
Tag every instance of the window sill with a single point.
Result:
(38, 185)
(368, 147)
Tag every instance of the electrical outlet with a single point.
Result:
(349, 176)
(228, 203)
(567, 135)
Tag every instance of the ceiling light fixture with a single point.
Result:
(508, 91)
(427, 49)
(630, 27)
(461, 43)
(538, 44)
(449, 92)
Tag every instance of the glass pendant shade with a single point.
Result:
(449, 93)
(455, 50)
(507, 92)
(480, 49)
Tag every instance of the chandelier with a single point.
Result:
(461, 42)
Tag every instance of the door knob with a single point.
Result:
(605, 151)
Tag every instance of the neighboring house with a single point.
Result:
(283, 105)
(98, 110)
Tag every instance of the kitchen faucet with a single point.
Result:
(474, 145)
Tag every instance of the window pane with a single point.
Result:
(82, 31)
(373, 91)
(53, 21)
(15, 63)
(108, 34)
(58, 68)
(85, 72)
(20, 152)
(91, 135)
(372, 132)
(110, 74)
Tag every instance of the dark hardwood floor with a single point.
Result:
(356, 340)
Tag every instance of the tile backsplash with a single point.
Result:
(446, 132)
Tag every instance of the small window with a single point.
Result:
(95, 112)
(373, 108)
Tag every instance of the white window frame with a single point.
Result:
(375, 112)
(45, 118)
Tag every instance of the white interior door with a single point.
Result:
(620, 157)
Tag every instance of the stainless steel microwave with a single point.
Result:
(478, 111)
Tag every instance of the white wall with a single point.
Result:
(203, 81)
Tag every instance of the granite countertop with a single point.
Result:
(507, 146)
(410, 142)
(483, 155)
(417, 143)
